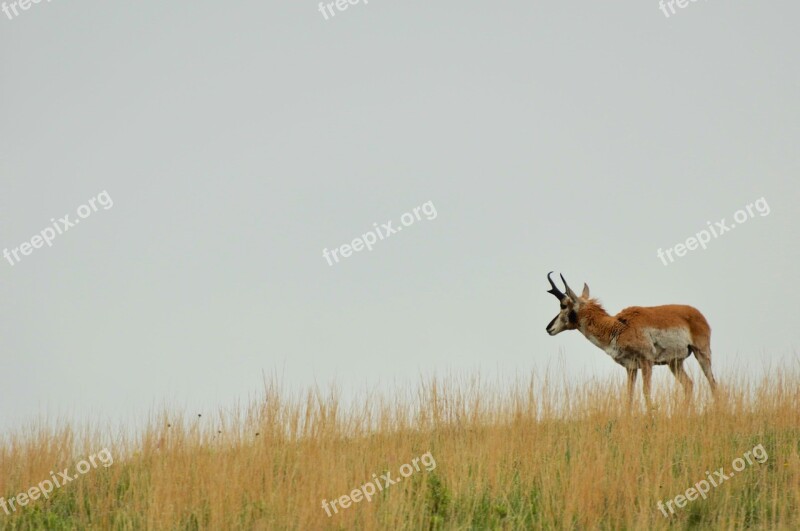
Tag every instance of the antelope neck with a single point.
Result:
(598, 327)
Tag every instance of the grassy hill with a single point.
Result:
(523, 455)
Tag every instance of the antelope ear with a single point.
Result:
(585, 294)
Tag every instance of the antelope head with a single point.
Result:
(570, 303)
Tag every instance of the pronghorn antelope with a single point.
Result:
(638, 337)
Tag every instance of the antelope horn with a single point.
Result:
(555, 291)
(570, 293)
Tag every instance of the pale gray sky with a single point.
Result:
(239, 140)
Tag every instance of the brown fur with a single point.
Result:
(628, 323)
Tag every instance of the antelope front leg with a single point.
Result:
(631, 385)
(647, 373)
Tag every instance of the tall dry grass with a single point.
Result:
(521, 455)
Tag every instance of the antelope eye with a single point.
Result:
(563, 307)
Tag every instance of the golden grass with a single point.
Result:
(523, 455)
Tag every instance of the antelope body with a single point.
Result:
(638, 337)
